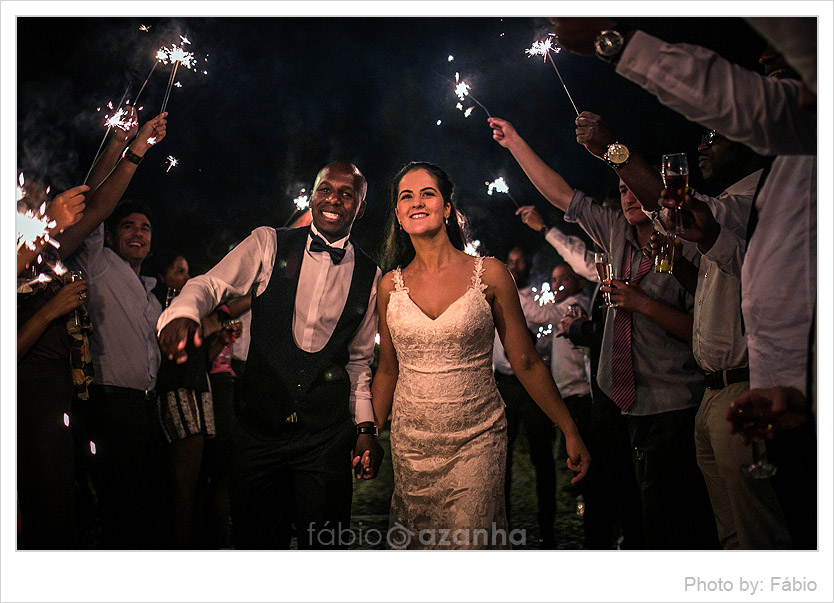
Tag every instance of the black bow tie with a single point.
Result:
(317, 244)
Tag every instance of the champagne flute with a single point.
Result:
(760, 468)
(602, 261)
(676, 181)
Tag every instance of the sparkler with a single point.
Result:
(472, 247)
(302, 201)
(544, 331)
(145, 28)
(544, 297)
(500, 186)
(177, 56)
(172, 161)
(107, 131)
(543, 48)
(462, 90)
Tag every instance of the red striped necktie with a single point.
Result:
(623, 391)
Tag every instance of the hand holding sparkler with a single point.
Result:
(174, 337)
(67, 208)
(531, 217)
(578, 34)
(503, 132)
(594, 133)
(151, 133)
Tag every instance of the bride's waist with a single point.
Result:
(455, 384)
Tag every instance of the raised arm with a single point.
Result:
(527, 364)
(549, 183)
(105, 198)
(388, 368)
(596, 135)
(108, 159)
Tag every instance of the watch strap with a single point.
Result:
(132, 157)
(367, 429)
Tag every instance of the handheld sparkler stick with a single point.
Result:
(570, 98)
(136, 100)
(543, 48)
(170, 84)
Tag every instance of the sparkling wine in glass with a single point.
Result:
(602, 261)
(676, 181)
(760, 468)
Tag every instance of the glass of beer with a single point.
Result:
(602, 261)
(676, 181)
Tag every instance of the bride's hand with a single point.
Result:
(579, 459)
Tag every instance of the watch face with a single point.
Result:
(609, 43)
(617, 153)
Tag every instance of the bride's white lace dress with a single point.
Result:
(448, 429)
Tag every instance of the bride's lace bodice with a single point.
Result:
(448, 431)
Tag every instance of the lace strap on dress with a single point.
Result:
(476, 277)
(399, 285)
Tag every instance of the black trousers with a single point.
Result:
(676, 508)
(521, 409)
(127, 468)
(46, 461)
(299, 476)
(612, 498)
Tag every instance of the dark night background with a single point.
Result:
(283, 96)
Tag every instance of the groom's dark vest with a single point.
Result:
(283, 384)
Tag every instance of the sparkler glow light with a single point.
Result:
(500, 186)
(462, 91)
(545, 296)
(544, 48)
(302, 201)
(472, 247)
(172, 161)
(544, 331)
(145, 27)
(32, 226)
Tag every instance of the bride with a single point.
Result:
(437, 314)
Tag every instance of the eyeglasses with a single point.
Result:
(710, 137)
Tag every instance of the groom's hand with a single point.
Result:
(174, 337)
(367, 456)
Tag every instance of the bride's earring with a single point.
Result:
(447, 221)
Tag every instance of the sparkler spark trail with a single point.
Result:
(544, 48)
(145, 27)
(500, 186)
(172, 161)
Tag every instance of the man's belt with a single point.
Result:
(721, 379)
(147, 394)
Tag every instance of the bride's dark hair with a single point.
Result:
(397, 249)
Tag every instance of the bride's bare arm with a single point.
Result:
(527, 364)
(388, 369)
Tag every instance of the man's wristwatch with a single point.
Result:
(132, 157)
(369, 429)
(609, 44)
(617, 155)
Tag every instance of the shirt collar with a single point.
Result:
(341, 243)
(746, 185)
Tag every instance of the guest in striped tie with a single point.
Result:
(646, 366)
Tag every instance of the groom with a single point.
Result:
(306, 407)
